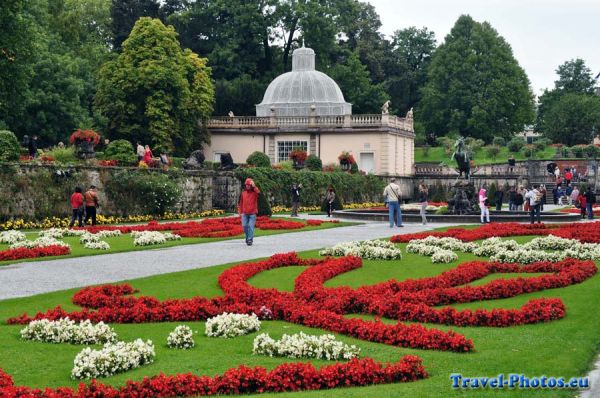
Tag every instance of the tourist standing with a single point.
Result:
(485, 212)
(534, 197)
(91, 204)
(32, 146)
(511, 164)
(423, 198)
(568, 177)
(543, 191)
(590, 200)
(557, 172)
(519, 199)
(329, 200)
(559, 195)
(248, 208)
(498, 197)
(582, 205)
(574, 194)
(296, 188)
(147, 155)
(392, 195)
(568, 192)
(512, 196)
(164, 160)
(140, 151)
(77, 207)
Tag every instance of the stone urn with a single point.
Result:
(85, 149)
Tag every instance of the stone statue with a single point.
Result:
(231, 114)
(409, 114)
(462, 158)
(195, 161)
(385, 108)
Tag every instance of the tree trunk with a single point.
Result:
(288, 44)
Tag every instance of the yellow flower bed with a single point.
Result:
(56, 222)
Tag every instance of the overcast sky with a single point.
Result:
(543, 33)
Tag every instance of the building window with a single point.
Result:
(285, 147)
(217, 156)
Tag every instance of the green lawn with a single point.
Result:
(124, 243)
(438, 155)
(561, 348)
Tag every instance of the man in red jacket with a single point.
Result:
(248, 208)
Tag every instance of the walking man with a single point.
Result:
(535, 201)
(296, 188)
(248, 208)
(590, 200)
(91, 203)
(393, 196)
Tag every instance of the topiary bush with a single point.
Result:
(591, 151)
(492, 151)
(258, 159)
(313, 163)
(542, 143)
(122, 151)
(515, 144)
(9, 146)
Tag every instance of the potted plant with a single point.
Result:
(346, 160)
(85, 141)
(298, 156)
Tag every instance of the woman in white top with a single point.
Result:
(485, 212)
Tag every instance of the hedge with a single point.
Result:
(350, 188)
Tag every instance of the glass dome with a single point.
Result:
(295, 93)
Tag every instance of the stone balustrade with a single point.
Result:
(347, 121)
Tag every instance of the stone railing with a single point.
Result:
(347, 121)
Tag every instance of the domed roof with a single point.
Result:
(295, 93)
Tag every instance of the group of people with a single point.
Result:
(144, 154)
(84, 204)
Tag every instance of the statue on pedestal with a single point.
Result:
(385, 108)
(462, 158)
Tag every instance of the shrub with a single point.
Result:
(578, 150)
(313, 163)
(258, 159)
(122, 151)
(351, 188)
(62, 155)
(591, 151)
(499, 141)
(474, 144)
(516, 144)
(9, 146)
(286, 165)
(493, 151)
(153, 193)
(542, 143)
(528, 150)
(426, 149)
(264, 208)
(354, 168)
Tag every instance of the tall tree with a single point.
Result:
(124, 14)
(574, 77)
(574, 118)
(154, 92)
(411, 53)
(475, 86)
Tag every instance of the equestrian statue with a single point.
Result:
(461, 156)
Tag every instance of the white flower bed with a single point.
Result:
(302, 345)
(12, 236)
(231, 325)
(67, 331)
(39, 242)
(108, 233)
(182, 337)
(437, 254)
(100, 245)
(112, 359)
(447, 243)
(443, 256)
(491, 246)
(552, 242)
(146, 238)
(89, 238)
(370, 249)
(53, 233)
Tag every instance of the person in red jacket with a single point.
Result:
(77, 207)
(248, 208)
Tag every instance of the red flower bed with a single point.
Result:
(23, 252)
(84, 136)
(108, 163)
(240, 380)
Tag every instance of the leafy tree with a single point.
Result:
(410, 56)
(258, 159)
(125, 13)
(9, 146)
(155, 92)
(475, 86)
(354, 81)
(238, 95)
(574, 118)
(574, 77)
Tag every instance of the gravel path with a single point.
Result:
(31, 278)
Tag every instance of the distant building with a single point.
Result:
(305, 108)
(529, 135)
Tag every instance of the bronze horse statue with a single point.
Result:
(462, 158)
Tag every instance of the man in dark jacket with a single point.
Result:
(498, 196)
(296, 188)
(32, 146)
(590, 199)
